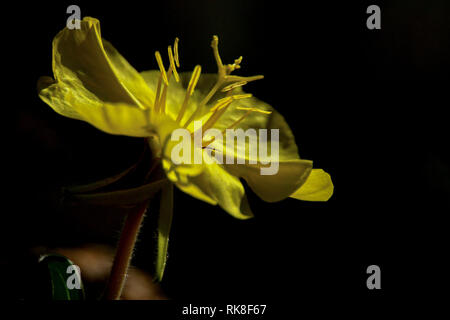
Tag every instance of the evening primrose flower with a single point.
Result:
(94, 83)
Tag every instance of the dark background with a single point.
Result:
(368, 106)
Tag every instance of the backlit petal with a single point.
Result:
(94, 83)
(81, 59)
(287, 147)
(318, 187)
(290, 176)
(216, 186)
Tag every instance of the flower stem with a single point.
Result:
(124, 252)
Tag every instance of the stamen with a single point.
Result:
(218, 112)
(223, 77)
(234, 124)
(253, 109)
(161, 67)
(221, 103)
(175, 49)
(221, 106)
(158, 91)
(189, 91)
(245, 115)
(237, 121)
(172, 64)
(194, 79)
(234, 86)
(241, 96)
(162, 101)
(231, 78)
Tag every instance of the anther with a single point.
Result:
(232, 78)
(161, 67)
(234, 86)
(221, 103)
(245, 115)
(194, 79)
(189, 91)
(241, 96)
(175, 50)
(253, 109)
(219, 109)
(172, 64)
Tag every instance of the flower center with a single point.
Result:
(225, 83)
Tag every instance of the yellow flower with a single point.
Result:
(94, 83)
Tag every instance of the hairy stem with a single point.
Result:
(124, 252)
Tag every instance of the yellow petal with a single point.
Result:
(196, 192)
(56, 96)
(129, 77)
(292, 171)
(94, 83)
(290, 176)
(113, 118)
(224, 188)
(287, 148)
(182, 173)
(216, 186)
(118, 118)
(318, 187)
(82, 60)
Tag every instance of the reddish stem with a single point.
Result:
(124, 252)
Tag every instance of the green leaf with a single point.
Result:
(164, 225)
(61, 278)
(130, 196)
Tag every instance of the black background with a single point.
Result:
(368, 106)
